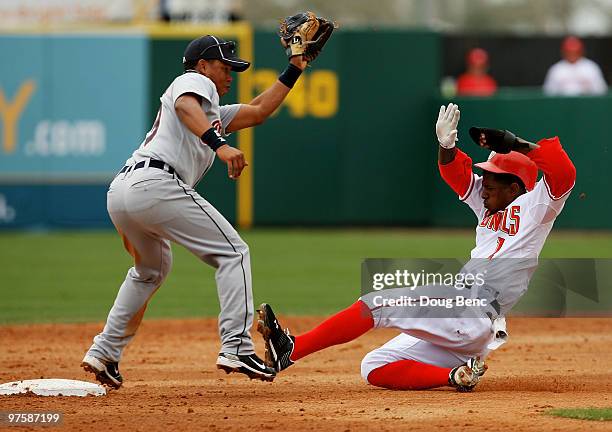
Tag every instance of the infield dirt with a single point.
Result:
(171, 382)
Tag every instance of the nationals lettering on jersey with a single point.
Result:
(507, 221)
(172, 142)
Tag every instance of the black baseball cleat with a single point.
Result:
(107, 373)
(250, 365)
(465, 377)
(279, 343)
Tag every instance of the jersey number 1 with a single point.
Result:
(500, 243)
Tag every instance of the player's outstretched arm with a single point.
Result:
(303, 37)
(260, 108)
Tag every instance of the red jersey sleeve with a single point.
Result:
(559, 171)
(458, 174)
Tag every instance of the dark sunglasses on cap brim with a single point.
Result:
(231, 48)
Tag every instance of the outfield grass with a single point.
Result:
(598, 414)
(74, 276)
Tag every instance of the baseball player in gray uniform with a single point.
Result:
(152, 201)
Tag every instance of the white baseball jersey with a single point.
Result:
(172, 142)
(514, 237)
(583, 77)
(507, 247)
(518, 231)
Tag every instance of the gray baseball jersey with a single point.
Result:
(169, 139)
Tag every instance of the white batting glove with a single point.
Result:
(446, 126)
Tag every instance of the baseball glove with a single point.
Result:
(499, 141)
(305, 34)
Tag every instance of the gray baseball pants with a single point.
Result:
(150, 207)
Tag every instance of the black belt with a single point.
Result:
(153, 163)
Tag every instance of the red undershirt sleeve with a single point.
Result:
(458, 173)
(553, 161)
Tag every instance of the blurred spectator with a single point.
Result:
(574, 75)
(476, 81)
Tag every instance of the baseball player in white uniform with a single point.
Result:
(515, 214)
(152, 202)
(574, 75)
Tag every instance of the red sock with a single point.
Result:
(340, 328)
(409, 375)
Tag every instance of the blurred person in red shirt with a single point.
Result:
(476, 81)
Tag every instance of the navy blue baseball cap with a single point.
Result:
(210, 48)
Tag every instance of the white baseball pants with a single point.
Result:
(428, 336)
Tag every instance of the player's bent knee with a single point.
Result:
(370, 362)
(241, 245)
(238, 256)
(378, 379)
(149, 275)
(241, 249)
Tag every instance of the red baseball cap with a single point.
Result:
(513, 163)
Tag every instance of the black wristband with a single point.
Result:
(290, 75)
(212, 139)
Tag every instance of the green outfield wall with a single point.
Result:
(353, 144)
(347, 156)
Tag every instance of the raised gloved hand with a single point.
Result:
(446, 125)
(500, 141)
(305, 34)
